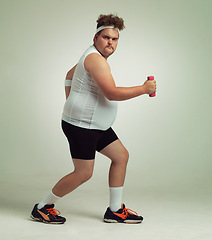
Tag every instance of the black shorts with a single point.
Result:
(84, 142)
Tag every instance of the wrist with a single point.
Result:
(144, 89)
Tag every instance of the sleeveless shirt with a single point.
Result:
(86, 106)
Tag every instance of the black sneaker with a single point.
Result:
(123, 215)
(47, 214)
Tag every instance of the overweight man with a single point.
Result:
(88, 115)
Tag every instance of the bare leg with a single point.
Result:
(119, 157)
(83, 172)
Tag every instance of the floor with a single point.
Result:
(182, 214)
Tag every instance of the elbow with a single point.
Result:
(111, 96)
(114, 94)
(112, 99)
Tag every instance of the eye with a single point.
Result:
(105, 37)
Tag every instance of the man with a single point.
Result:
(88, 115)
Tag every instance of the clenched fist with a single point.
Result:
(150, 86)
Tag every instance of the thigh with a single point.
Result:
(82, 142)
(82, 166)
(115, 151)
(106, 138)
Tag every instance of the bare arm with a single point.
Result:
(69, 76)
(100, 71)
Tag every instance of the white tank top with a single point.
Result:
(86, 106)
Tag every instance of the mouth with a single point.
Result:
(109, 47)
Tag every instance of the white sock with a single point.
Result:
(49, 199)
(115, 198)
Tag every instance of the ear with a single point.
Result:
(95, 37)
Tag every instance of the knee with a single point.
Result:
(123, 158)
(84, 176)
(88, 175)
(126, 156)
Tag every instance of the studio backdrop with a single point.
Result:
(168, 136)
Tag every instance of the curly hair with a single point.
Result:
(110, 20)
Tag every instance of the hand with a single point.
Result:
(150, 86)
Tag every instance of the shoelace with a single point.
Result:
(54, 212)
(128, 211)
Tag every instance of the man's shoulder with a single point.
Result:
(94, 61)
(96, 58)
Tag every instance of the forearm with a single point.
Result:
(67, 91)
(125, 93)
(100, 72)
(69, 77)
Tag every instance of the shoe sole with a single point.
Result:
(125, 221)
(44, 221)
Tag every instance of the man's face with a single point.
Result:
(106, 42)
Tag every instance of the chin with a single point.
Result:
(109, 52)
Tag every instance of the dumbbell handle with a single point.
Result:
(151, 78)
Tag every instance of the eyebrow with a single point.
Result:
(105, 35)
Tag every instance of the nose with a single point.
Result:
(110, 41)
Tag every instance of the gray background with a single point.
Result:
(168, 137)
